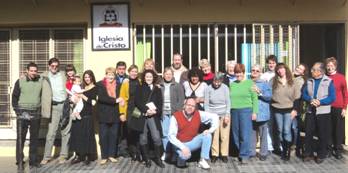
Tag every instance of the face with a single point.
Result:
(177, 61)
(190, 106)
(206, 69)
(110, 77)
(87, 79)
(70, 74)
(331, 68)
(148, 78)
(77, 81)
(194, 79)
(121, 70)
(148, 65)
(217, 83)
(168, 75)
(271, 65)
(299, 70)
(32, 72)
(316, 72)
(133, 74)
(239, 76)
(230, 69)
(54, 67)
(255, 73)
(281, 72)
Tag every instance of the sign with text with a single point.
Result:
(110, 26)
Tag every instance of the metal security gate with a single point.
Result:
(5, 119)
(245, 43)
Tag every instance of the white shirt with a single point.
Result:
(206, 118)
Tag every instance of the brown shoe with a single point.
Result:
(44, 162)
(307, 158)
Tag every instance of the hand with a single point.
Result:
(343, 114)
(123, 118)
(256, 89)
(125, 80)
(226, 120)
(205, 132)
(293, 114)
(315, 102)
(253, 117)
(186, 152)
(120, 101)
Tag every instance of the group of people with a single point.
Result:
(183, 111)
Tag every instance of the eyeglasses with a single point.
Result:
(255, 70)
(315, 70)
(53, 66)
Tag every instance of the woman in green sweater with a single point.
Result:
(244, 107)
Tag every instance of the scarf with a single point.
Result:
(110, 88)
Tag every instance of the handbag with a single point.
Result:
(136, 112)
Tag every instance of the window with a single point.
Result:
(4, 78)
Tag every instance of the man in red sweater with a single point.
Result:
(338, 110)
(184, 133)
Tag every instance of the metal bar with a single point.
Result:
(271, 40)
(135, 43)
(281, 48)
(153, 44)
(171, 43)
(253, 47)
(162, 47)
(290, 53)
(226, 43)
(190, 46)
(208, 43)
(262, 47)
(199, 42)
(216, 47)
(144, 42)
(235, 43)
(180, 30)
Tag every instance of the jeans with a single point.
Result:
(165, 130)
(296, 131)
(108, 133)
(202, 142)
(150, 125)
(262, 129)
(57, 113)
(241, 130)
(283, 120)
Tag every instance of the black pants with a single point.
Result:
(337, 129)
(319, 125)
(22, 129)
(122, 144)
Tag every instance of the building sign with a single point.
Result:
(110, 26)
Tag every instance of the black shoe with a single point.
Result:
(213, 159)
(76, 160)
(181, 164)
(319, 160)
(224, 159)
(36, 165)
(148, 163)
(338, 156)
(307, 158)
(243, 161)
(159, 163)
(20, 167)
(263, 158)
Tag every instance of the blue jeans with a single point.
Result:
(108, 139)
(241, 130)
(283, 120)
(296, 131)
(202, 142)
(262, 128)
(165, 130)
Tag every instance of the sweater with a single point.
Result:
(242, 95)
(284, 96)
(264, 100)
(340, 85)
(217, 100)
(187, 129)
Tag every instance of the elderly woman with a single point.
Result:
(284, 95)
(244, 104)
(260, 126)
(173, 100)
(108, 114)
(205, 66)
(229, 76)
(195, 87)
(149, 102)
(319, 93)
(217, 100)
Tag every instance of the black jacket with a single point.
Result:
(107, 108)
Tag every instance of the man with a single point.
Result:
(121, 147)
(184, 133)
(26, 102)
(260, 126)
(180, 71)
(319, 92)
(57, 94)
(338, 107)
(271, 64)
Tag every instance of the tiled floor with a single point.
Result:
(272, 164)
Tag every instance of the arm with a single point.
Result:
(207, 117)
(266, 93)
(124, 93)
(103, 96)
(228, 101)
(305, 95)
(15, 96)
(344, 92)
(331, 97)
(181, 96)
(173, 131)
(206, 99)
(139, 101)
(255, 102)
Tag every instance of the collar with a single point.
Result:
(37, 77)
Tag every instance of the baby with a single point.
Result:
(78, 103)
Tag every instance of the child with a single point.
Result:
(76, 89)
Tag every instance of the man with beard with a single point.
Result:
(180, 71)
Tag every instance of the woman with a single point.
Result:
(283, 97)
(173, 100)
(108, 114)
(217, 100)
(149, 101)
(244, 107)
(128, 90)
(82, 139)
(195, 87)
(206, 68)
(229, 76)
(300, 76)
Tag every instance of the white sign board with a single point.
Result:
(110, 26)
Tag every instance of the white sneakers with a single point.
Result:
(163, 157)
(203, 164)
